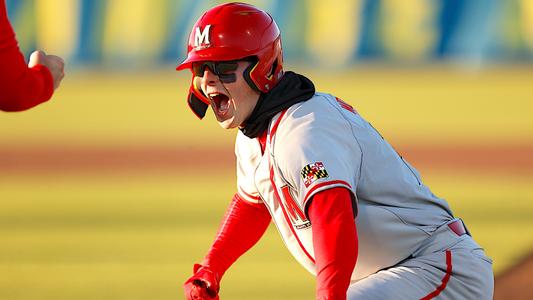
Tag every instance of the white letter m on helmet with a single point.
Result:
(201, 37)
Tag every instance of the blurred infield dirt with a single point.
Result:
(516, 282)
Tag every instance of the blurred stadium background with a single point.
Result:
(113, 189)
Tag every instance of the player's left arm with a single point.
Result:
(334, 240)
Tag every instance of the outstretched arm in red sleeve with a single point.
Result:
(22, 86)
(335, 242)
(242, 226)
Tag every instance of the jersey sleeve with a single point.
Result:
(248, 153)
(315, 150)
(20, 87)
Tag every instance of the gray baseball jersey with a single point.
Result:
(323, 143)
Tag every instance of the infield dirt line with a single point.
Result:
(504, 159)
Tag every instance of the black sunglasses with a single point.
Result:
(220, 68)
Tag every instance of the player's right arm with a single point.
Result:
(242, 227)
(21, 86)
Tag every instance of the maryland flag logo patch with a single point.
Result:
(312, 172)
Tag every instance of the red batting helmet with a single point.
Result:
(235, 31)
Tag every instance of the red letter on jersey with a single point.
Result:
(293, 209)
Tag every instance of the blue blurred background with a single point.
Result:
(327, 33)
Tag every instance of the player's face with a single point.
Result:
(232, 99)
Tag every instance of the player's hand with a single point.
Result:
(54, 63)
(203, 285)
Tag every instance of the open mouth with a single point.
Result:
(220, 101)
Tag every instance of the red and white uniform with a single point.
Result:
(323, 143)
(20, 87)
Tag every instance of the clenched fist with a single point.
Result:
(203, 285)
(54, 63)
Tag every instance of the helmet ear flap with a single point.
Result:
(197, 106)
(197, 101)
(247, 76)
(270, 78)
(268, 69)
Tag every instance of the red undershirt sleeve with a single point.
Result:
(20, 87)
(334, 240)
(242, 227)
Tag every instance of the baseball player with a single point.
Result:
(23, 87)
(349, 208)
